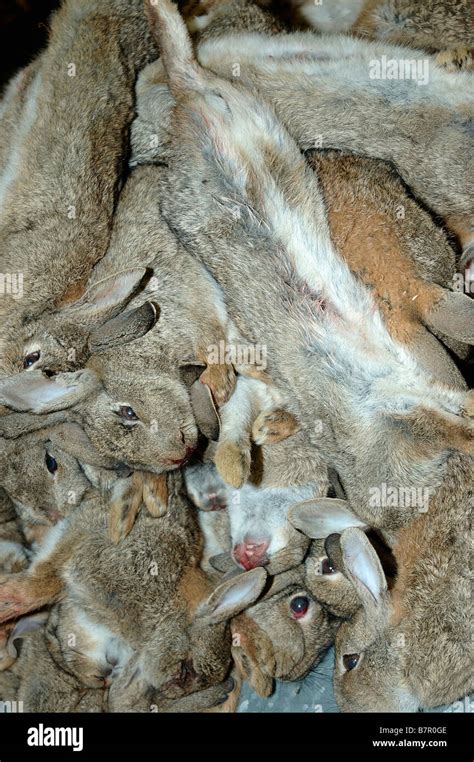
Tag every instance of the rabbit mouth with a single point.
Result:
(183, 461)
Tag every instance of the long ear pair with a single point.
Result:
(102, 307)
(233, 596)
(36, 393)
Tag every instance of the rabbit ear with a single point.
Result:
(105, 299)
(233, 596)
(320, 517)
(16, 425)
(24, 627)
(363, 567)
(205, 411)
(124, 328)
(32, 391)
(283, 580)
(190, 372)
(453, 315)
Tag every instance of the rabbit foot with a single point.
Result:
(232, 461)
(155, 494)
(274, 426)
(220, 378)
(456, 58)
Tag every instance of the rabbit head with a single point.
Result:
(64, 340)
(283, 635)
(61, 466)
(369, 671)
(145, 423)
(323, 520)
(260, 531)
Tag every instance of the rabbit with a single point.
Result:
(31, 679)
(42, 686)
(372, 414)
(162, 606)
(283, 635)
(342, 177)
(324, 571)
(59, 189)
(188, 330)
(344, 77)
(431, 26)
(406, 648)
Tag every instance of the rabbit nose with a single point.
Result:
(251, 553)
(106, 674)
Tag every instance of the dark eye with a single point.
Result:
(299, 606)
(350, 661)
(327, 566)
(51, 463)
(31, 359)
(128, 413)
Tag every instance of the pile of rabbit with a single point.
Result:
(232, 433)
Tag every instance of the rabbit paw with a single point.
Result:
(220, 378)
(232, 461)
(155, 494)
(456, 58)
(274, 426)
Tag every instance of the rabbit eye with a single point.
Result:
(299, 606)
(350, 661)
(51, 463)
(327, 567)
(128, 413)
(31, 359)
